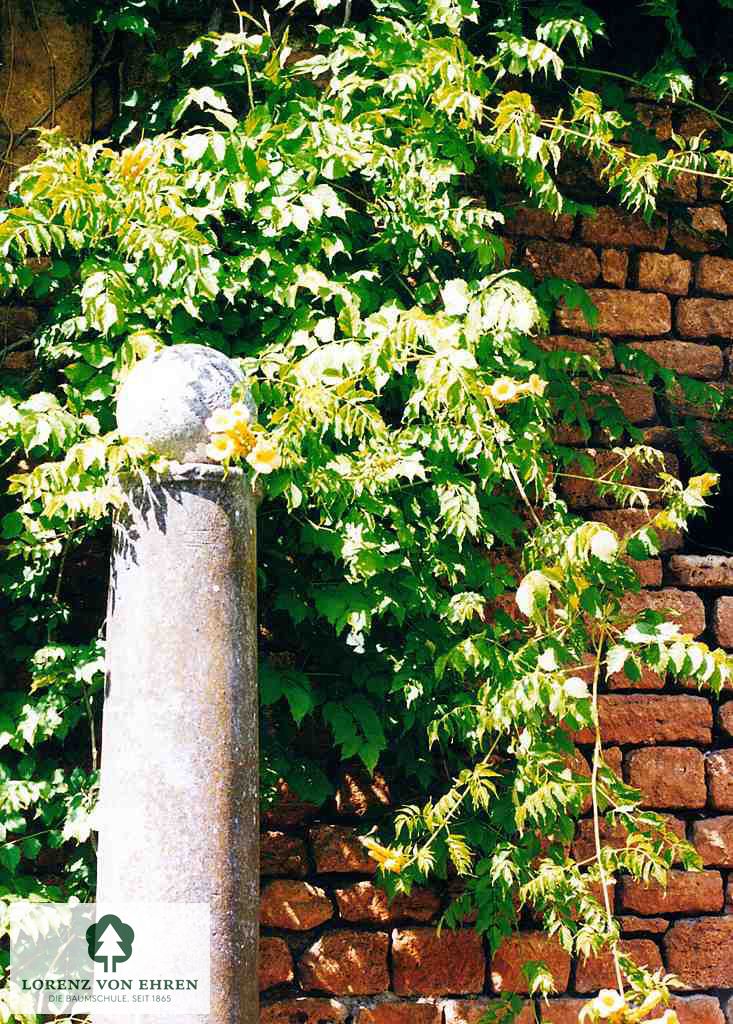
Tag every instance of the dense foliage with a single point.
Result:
(333, 217)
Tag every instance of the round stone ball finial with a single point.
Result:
(168, 397)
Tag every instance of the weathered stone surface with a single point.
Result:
(668, 776)
(705, 318)
(473, 1011)
(701, 571)
(523, 220)
(579, 487)
(304, 1010)
(703, 229)
(723, 621)
(558, 259)
(687, 892)
(657, 119)
(338, 848)
(506, 964)
(651, 718)
(697, 1009)
(296, 906)
(659, 273)
(599, 349)
(725, 718)
(622, 312)
(365, 902)
(281, 854)
(714, 274)
(597, 971)
(635, 399)
(713, 839)
(683, 607)
(705, 362)
(700, 951)
(628, 520)
(428, 964)
(719, 770)
(614, 267)
(358, 793)
(168, 397)
(399, 1013)
(347, 963)
(276, 963)
(649, 572)
(611, 226)
(633, 925)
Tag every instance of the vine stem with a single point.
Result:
(597, 754)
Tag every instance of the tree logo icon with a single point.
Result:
(109, 942)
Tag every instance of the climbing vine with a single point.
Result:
(333, 215)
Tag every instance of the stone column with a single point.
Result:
(178, 819)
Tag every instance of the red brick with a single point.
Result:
(713, 839)
(615, 837)
(599, 349)
(614, 267)
(347, 963)
(723, 621)
(366, 903)
(682, 606)
(17, 323)
(649, 680)
(704, 318)
(714, 274)
(276, 963)
(558, 259)
(358, 792)
(338, 848)
(428, 964)
(296, 906)
(523, 220)
(287, 810)
(700, 951)
(705, 362)
(687, 892)
(628, 520)
(632, 925)
(670, 274)
(561, 1011)
(304, 1010)
(506, 965)
(597, 971)
(703, 229)
(701, 571)
(656, 119)
(683, 187)
(583, 493)
(694, 122)
(668, 776)
(610, 226)
(697, 1009)
(399, 1013)
(650, 718)
(719, 769)
(635, 399)
(648, 571)
(725, 718)
(281, 854)
(622, 312)
(473, 1011)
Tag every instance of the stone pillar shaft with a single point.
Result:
(179, 750)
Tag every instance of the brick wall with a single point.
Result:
(332, 947)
